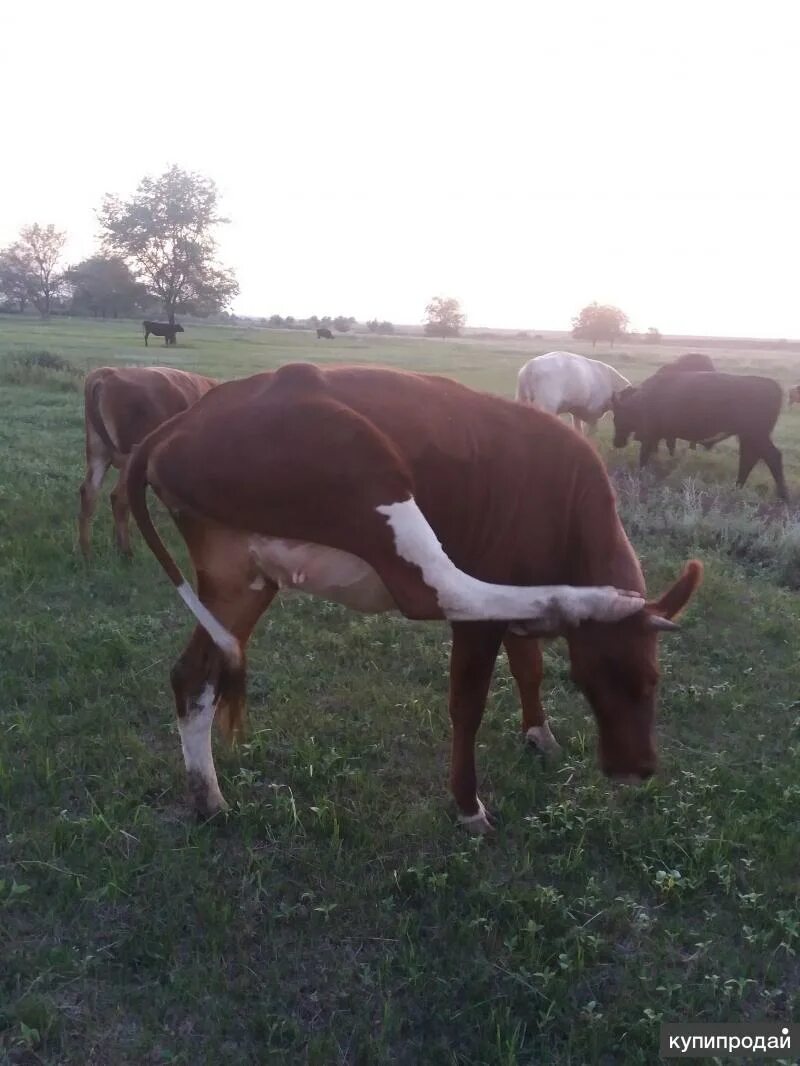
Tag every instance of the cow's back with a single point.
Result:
(558, 381)
(695, 405)
(133, 401)
(497, 481)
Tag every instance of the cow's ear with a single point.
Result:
(673, 601)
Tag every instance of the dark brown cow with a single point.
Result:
(166, 330)
(701, 407)
(689, 363)
(386, 490)
(121, 406)
(324, 334)
(692, 361)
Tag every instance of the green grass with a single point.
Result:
(338, 914)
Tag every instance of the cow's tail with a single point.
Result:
(224, 660)
(94, 415)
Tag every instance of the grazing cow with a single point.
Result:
(387, 490)
(689, 363)
(121, 406)
(692, 361)
(324, 334)
(560, 382)
(162, 329)
(704, 406)
(794, 395)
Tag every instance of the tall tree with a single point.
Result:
(17, 276)
(105, 287)
(444, 317)
(599, 322)
(30, 267)
(165, 233)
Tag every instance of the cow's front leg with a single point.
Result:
(474, 652)
(646, 450)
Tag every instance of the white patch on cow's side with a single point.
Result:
(258, 583)
(218, 633)
(542, 738)
(328, 573)
(466, 599)
(477, 823)
(195, 730)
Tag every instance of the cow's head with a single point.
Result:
(178, 328)
(627, 408)
(616, 667)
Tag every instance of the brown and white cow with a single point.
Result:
(385, 490)
(121, 406)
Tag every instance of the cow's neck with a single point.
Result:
(599, 550)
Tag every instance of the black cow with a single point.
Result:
(161, 329)
(689, 363)
(324, 334)
(704, 406)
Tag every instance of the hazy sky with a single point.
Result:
(526, 157)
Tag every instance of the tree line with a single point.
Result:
(157, 248)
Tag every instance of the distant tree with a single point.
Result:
(165, 232)
(444, 317)
(104, 287)
(326, 320)
(276, 321)
(17, 276)
(312, 322)
(290, 321)
(653, 335)
(599, 322)
(374, 326)
(30, 267)
(342, 324)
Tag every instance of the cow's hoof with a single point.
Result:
(206, 802)
(541, 738)
(478, 823)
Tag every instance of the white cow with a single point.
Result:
(560, 382)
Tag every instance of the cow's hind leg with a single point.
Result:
(121, 512)
(475, 647)
(97, 463)
(525, 661)
(205, 684)
(774, 460)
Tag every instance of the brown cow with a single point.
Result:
(688, 363)
(386, 490)
(121, 406)
(704, 406)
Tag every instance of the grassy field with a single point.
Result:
(338, 914)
